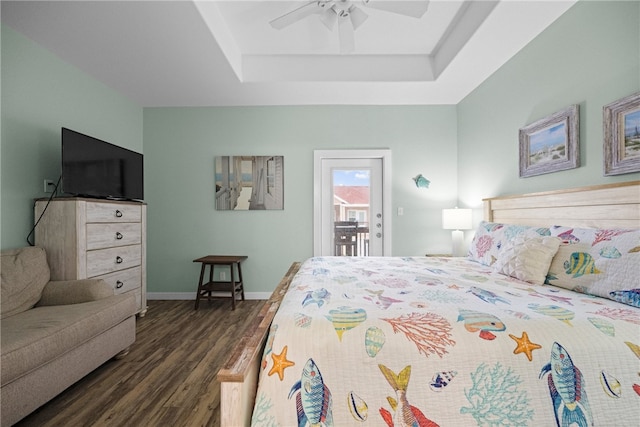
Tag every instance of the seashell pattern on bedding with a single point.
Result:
(431, 341)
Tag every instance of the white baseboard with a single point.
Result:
(192, 295)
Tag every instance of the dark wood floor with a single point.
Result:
(168, 378)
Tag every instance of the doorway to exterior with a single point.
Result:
(351, 201)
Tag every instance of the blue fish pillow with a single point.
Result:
(605, 263)
(492, 237)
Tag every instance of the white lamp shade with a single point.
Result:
(456, 219)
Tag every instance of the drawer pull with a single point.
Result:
(118, 213)
(119, 284)
(118, 260)
(118, 235)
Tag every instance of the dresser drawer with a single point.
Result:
(103, 261)
(124, 280)
(113, 212)
(100, 236)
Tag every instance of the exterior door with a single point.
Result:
(351, 203)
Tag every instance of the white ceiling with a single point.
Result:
(225, 53)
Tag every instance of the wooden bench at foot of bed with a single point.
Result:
(239, 376)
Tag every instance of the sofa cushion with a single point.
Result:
(23, 274)
(62, 292)
(34, 337)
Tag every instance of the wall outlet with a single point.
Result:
(223, 276)
(49, 185)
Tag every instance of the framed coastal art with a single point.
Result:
(621, 126)
(249, 183)
(550, 144)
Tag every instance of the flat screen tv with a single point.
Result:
(95, 168)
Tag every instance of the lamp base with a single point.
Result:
(457, 239)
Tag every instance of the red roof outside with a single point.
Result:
(351, 195)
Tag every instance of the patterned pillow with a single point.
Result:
(527, 259)
(491, 236)
(599, 262)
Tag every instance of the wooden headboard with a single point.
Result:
(599, 206)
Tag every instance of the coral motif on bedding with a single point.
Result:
(430, 332)
(490, 237)
(624, 314)
(477, 346)
(496, 399)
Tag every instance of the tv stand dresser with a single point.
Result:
(96, 239)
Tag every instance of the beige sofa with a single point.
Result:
(54, 332)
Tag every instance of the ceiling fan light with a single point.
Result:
(329, 18)
(357, 17)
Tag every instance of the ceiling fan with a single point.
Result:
(348, 15)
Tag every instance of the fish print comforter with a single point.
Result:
(424, 341)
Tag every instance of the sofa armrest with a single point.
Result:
(63, 292)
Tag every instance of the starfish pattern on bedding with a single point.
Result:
(524, 345)
(280, 363)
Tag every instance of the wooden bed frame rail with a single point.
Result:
(602, 206)
(239, 376)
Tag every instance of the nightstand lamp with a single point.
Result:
(457, 220)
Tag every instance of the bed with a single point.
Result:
(540, 325)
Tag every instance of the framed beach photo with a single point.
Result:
(621, 127)
(550, 144)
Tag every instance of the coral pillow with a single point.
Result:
(527, 259)
(490, 237)
(599, 262)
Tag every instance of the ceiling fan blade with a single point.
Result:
(357, 16)
(295, 15)
(414, 8)
(345, 33)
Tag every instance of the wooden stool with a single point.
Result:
(233, 286)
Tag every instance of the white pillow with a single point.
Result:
(527, 259)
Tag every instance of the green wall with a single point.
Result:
(40, 94)
(183, 224)
(590, 56)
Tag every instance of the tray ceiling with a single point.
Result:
(225, 53)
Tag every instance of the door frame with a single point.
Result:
(385, 156)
